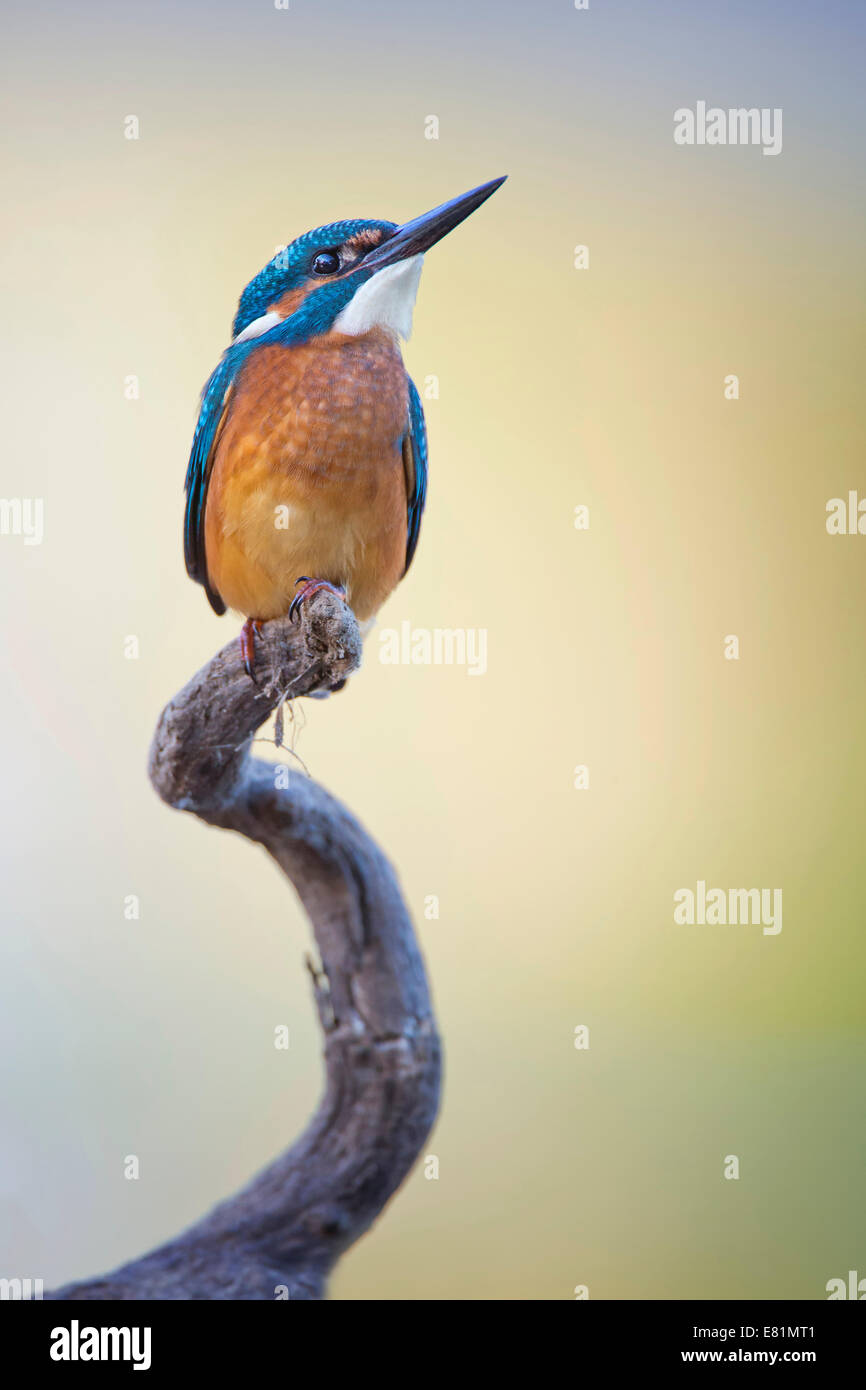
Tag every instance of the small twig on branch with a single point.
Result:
(281, 1235)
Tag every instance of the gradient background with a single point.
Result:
(558, 387)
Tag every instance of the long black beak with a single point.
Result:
(423, 232)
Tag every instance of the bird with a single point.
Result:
(308, 465)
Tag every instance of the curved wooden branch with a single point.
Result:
(293, 1221)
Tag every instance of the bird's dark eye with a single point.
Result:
(326, 263)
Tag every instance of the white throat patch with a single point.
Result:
(386, 300)
(259, 326)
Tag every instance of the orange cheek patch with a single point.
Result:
(289, 302)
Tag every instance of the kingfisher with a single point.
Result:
(308, 467)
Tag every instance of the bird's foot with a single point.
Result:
(246, 640)
(310, 587)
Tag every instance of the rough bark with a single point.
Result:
(293, 1221)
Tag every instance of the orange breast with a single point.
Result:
(308, 475)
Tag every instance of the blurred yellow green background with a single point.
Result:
(557, 387)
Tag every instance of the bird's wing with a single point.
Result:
(415, 468)
(214, 407)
